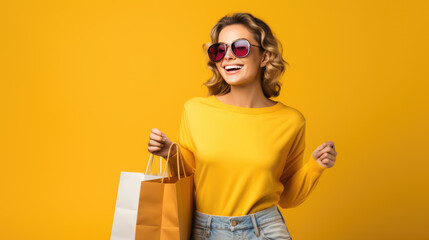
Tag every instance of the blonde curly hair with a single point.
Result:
(270, 74)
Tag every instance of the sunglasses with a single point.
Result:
(240, 48)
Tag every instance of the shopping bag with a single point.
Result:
(124, 220)
(166, 206)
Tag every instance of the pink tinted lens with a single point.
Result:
(216, 52)
(240, 48)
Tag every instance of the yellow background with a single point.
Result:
(84, 82)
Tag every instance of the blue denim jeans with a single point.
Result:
(266, 224)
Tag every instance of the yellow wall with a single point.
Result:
(83, 83)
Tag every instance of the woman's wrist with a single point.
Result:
(172, 152)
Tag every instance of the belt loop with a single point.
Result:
(255, 225)
(207, 231)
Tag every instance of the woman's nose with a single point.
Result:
(229, 54)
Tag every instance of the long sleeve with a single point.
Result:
(186, 147)
(298, 178)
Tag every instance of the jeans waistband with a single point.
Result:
(249, 221)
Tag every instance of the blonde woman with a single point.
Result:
(245, 150)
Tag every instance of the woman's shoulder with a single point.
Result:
(292, 113)
(196, 103)
(295, 111)
(195, 100)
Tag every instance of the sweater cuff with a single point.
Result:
(315, 166)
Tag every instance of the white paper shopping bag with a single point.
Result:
(127, 200)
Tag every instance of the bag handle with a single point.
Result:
(150, 162)
(178, 164)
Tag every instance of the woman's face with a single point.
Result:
(252, 63)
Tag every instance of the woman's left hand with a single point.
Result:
(325, 154)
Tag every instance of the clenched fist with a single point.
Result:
(159, 144)
(325, 154)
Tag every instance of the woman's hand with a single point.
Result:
(325, 154)
(159, 144)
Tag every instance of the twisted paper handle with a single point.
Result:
(178, 164)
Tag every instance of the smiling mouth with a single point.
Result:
(233, 68)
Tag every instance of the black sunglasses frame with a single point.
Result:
(228, 45)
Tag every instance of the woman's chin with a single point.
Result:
(235, 81)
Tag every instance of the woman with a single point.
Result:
(245, 150)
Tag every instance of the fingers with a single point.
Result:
(327, 162)
(155, 140)
(327, 147)
(330, 143)
(154, 143)
(320, 147)
(156, 131)
(327, 157)
(156, 135)
(154, 149)
(326, 154)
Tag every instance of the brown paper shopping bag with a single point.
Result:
(166, 206)
(127, 201)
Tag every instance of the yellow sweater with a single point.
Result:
(244, 159)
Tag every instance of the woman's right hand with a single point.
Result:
(159, 144)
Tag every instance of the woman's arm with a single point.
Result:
(299, 177)
(186, 148)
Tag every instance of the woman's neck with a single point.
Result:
(244, 99)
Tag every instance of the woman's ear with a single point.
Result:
(265, 59)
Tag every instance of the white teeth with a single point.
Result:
(233, 66)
